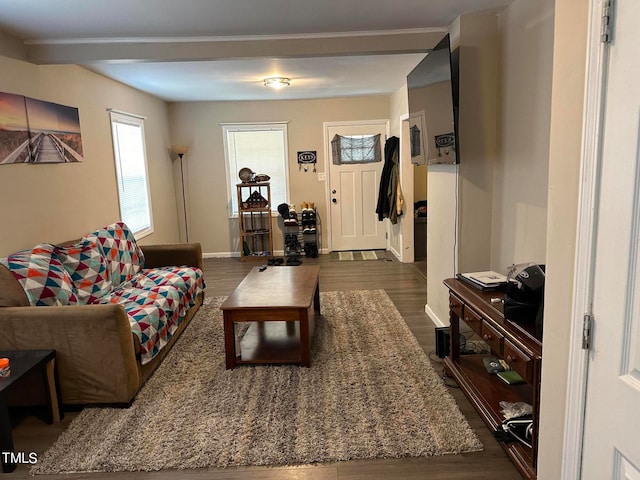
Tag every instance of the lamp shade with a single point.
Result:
(180, 149)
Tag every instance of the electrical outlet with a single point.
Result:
(322, 177)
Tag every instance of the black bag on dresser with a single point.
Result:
(524, 295)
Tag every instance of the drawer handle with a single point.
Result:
(510, 359)
(487, 337)
(468, 319)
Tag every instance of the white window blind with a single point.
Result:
(131, 173)
(263, 149)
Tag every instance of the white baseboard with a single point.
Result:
(232, 254)
(277, 253)
(395, 253)
(434, 318)
(221, 255)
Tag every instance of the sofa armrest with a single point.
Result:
(94, 348)
(169, 255)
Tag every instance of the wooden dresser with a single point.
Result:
(513, 342)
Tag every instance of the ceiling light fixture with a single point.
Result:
(277, 82)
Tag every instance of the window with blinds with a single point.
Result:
(131, 172)
(263, 149)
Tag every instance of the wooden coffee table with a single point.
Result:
(281, 303)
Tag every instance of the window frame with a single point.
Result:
(136, 121)
(232, 177)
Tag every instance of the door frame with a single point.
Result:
(406, 235)
(590, 164)
(327, 159)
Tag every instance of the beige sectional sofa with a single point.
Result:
(100, 356)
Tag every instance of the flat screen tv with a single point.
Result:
(433, 106)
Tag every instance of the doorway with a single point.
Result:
(353, 190)
(602, 418)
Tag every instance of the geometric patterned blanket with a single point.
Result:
(106, 266)
(156, 301)
(120, 250)
(42, 276)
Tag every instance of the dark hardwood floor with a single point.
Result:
(406, 286)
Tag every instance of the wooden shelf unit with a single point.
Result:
(513, 342)
(254, 221)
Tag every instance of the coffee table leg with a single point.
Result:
(316, 299)
(229, 340)
(305, 344)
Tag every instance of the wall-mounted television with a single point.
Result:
(433, 106)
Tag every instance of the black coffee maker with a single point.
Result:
(524, 295)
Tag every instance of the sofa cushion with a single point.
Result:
(87, 268)
(41, 276)
(120, 250)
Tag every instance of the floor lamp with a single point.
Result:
(180, 151)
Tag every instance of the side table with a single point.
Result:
(24, 362)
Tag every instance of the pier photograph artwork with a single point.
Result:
(38, 132)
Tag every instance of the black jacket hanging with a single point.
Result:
(387, 194)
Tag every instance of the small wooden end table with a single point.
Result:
(23, 363)
(281, 302)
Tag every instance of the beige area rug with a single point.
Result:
(351, 255)
(371, 392)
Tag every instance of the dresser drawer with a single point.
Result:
(474, 320)
(492, 337)
(455, 305)
(518, 360)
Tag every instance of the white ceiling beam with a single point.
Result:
(86, 51)
(12, 47)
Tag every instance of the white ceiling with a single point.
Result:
(195, 50)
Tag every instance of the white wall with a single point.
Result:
(567, 99)
(521, 172)
(442, 251)
(459, 196)
(54, 203)
(479, 48)
(401, 234)
(197, 124)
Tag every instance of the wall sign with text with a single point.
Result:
(307, 158)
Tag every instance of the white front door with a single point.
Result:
(612, 410)
(353, 193)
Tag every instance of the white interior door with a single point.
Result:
(612, 408)
(353, 193)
